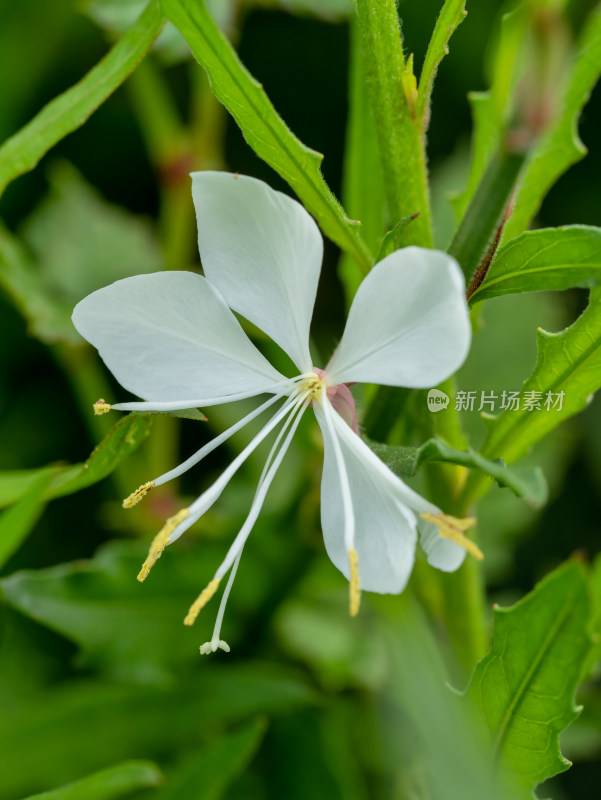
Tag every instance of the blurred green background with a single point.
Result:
(96, 669)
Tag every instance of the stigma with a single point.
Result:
(101, 407)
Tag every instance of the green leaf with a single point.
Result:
(568, 362)
(118, 444)
(18, 521)
(113, 782)
(147, 639)
(491, 110)
(208, 774)
(81, 242)
(451, 16)
(47, 319)
(42, 738)
(546, 259)
(559, 146)
(14, 484)
(70, 110)
(182, 413)
(118, 15)
(77, 242)
(524, 688)
(262, 127)
(405, 461)
(394, 238)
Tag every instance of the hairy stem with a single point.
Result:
(401, 143)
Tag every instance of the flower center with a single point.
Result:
(311, 386)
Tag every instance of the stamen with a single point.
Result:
(255, 509)
(160, 542)
(214, 443)
(136, 496)
(202, 504)
(201, 601)
(177, 405)
(453, 529)
(101, 407)
(216, 642)
(354, 586)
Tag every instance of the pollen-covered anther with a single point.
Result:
(101, 407)
(453, 528)
(160, 542)
(354, 586)
(136, 496)
(201, 601)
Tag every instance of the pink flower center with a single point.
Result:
(342, 400)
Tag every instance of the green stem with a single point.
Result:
(170, 149)
(401, 142)
(463, 593)
(464, 613)
(479, 228)
(384, 411)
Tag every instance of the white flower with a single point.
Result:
(172, 339)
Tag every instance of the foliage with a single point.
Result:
(103, 690)
(524, 688)
(113, 782)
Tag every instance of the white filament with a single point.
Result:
(214, 443)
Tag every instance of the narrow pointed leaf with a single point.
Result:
(394, 239)
(524, 688)
(104, 722)
(119, 443)
(70, 110)
(264, 130)
(209, 773)
(405, 462)
(551, 258)
(451, 16)
(17, 522)
(108, 784)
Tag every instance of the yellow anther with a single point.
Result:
(453, 528)
(136, 496)
(201, 601)
(354, 587)
(160, 542)
(101, 407)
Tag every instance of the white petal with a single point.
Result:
(263, 252)
(408, 325)
(385, 528)
(170, 336)
(441, 553)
